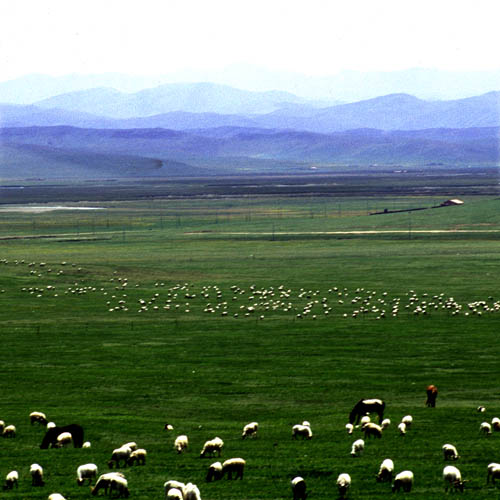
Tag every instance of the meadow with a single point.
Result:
(209, 313)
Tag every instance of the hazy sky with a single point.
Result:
(315, 37)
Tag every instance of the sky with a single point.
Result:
(312, 37)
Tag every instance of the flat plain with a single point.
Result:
(212, 312)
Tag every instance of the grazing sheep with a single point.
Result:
(364, 406)
(214, 472)
(299, 488)
(304, 431)
(137, 456)
(250, 430)
(402, 428)
(485, 428)
(385, 423)
(56, 496)
(36, 473)
(349, 428)
(385, 472)
(404, 481)
(357, 448)
(87, 444)
(495, 423)
(38, 417)
(493, 472)
(452, 478)
(450, 452)
(11, 480)
(432, 394)
(86, 471)
(9, 431)
(173, 494)
(191, 492)
(181, 443)
(50, 437)
(343, 484)
(120, 485)
(211, 447)
(50, 425)
(64, 439)
(233, 466)
(371, 429)
(407, 420)
(104, 482)
(168, 427)
(480, 409)
(122, 453)
(173, 484)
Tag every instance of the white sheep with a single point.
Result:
(234, 466)
(250, 430)
(357, 448)
(9, 431)
(485, 428)
(385, 423)
(495, 423)
(304, 431)
(365, 419)
(86, 471)
(2, 425)
(122, 453)
(349, 428)
(50, 425)
(87, 444)
(493, 472)
(11, 480)
(214, 472)
(120, 485)
(450, 452)
(408, 420)
(480, 409)
(452, 478)
(137, 456)
(173, 494)
(404, 481)
(36, 472)
(56, 496)
(343, 484)
(385, 471)
(38, 417)
(181, 443)
(402, 428)
(371, 429)
(63, 439)
(104, 482)
(173, 484)
(191, 492)
(299, 488)
(211, 447)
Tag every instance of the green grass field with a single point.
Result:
(211, 313)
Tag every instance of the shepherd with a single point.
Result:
(364, 406)
(432, 394)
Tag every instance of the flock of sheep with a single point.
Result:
(121, 296)
(115, 484)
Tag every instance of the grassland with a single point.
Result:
(105, 321)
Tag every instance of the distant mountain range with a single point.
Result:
(160, 152)
(208, 108)
(347, 86)
(212, 129)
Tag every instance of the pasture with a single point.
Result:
(212, 313)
